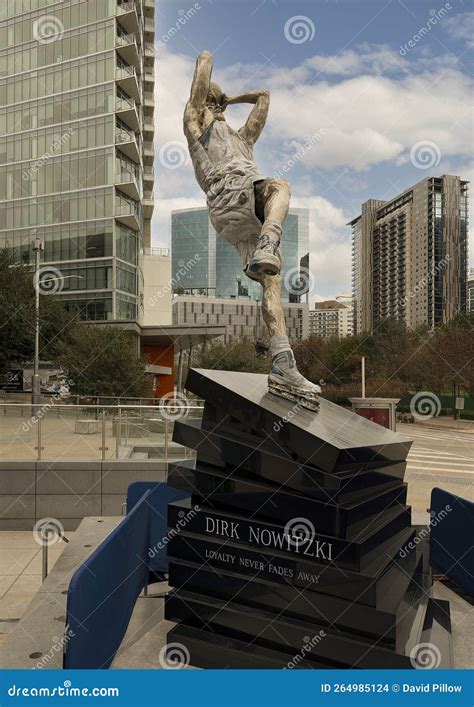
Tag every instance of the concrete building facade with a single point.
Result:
(470, 291)
(331, 318)
(76, 145)
(241, 317)
(409, 255)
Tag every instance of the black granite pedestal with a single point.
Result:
(296, 549)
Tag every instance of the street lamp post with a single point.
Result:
(38, 248)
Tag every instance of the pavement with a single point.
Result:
(445, 423)
(20, 574)
(438, 457)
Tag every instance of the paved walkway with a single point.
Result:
(20, 574)
(446, 423)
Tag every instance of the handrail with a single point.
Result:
(71, 406)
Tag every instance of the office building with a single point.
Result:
(76, 146)
(409, 258)
(331, 318)
(470, 291)
(204, 264)
(242, 318)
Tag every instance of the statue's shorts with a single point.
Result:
(236, 210)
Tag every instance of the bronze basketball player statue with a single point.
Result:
(245, 208)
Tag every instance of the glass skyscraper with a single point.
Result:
(76, 145)
(218, 269)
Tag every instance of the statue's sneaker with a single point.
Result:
(266, 259)
(287, 382)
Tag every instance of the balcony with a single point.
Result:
(148, 99)
(127, 48)
(127, 80)
(149, 26)
(149, 49)
(127, 212)
(126, 110)
(149, 6)
(148, 174)
(148, 125)
(148, 203)
(149, 74)
(127, 16)
(126, 181)
(148, 151)
(126, 142)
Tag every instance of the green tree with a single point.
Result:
(17, 316)
(233, 356)
(101, 361)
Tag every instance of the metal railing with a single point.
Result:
(123, 40)
(164, 252)
(66, 431)
(127, 6)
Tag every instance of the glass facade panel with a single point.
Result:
(59, 159)
(218, 271)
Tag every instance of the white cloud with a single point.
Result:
(461, 27)
(368, 119)
(329, 245)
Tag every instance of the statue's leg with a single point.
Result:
(284, 380)
(272, 200)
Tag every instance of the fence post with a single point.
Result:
(118, 432)
(44, 570)
(38, 439)
(103, 447)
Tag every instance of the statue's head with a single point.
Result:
(215, 101)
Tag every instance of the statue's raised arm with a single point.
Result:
(196, 114)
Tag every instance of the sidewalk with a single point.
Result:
(20, 574)
(446, 423)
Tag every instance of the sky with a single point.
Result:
(367, 98)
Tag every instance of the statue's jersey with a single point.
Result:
(226, 171)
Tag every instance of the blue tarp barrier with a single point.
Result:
(103, 591)
(451, 538)
(161, 495)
